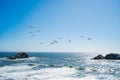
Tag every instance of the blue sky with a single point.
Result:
(67, 19)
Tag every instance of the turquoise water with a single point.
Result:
(58, 66)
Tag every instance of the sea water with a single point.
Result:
(57, 66)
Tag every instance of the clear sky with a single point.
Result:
(75, 20)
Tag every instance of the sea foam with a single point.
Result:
(26, 72)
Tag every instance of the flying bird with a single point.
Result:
(52, 43)
(33, 35)
(69, 41)
(31, 32)
(89, 39)
(41, 43)
(59, 38)
(81, 36)
(37, 31)
(55, 41)
(31, 26)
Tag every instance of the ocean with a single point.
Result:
(58, 66)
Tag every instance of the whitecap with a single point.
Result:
(26, 72)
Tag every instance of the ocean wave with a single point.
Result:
(27, 73)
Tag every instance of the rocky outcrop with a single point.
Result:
(99, 57)
(113, 56)
(19, 56)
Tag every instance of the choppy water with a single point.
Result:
(58, 66)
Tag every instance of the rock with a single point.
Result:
(114, 56)
(70, 66)
(99, 57)
(19, 56)
(52, 65)
(31, 64)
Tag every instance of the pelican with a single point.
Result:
(37, 31)
(33, 35)
(70, 41)
(89, 39)
(31, 32)
(52, 43)
(55, 41)
(81, 36)
(41, 43)
(59, 38)
(31, 26)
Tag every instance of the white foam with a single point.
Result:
(14, 68)
(27, 73)
(90, 77)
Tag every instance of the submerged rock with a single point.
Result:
(114, 56)
(19, 56)
(11, 57)
(31, 64)
(52, 65)
(70, 66)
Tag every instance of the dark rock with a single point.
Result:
(99, 57)
(19, 56)
(31, 64)
(70, 66)
(114, 56)
(52, 65)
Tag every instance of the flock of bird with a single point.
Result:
(54, 41)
